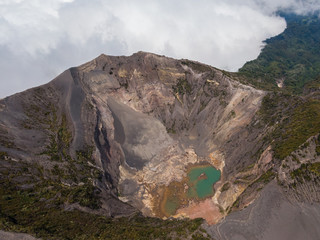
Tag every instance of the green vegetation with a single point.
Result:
(124, 84)
(318, 150)
(44, 116)
(231, 115)
(86, 195)
(249, 167)
(272, 107)
(313, 85)
(198, 236)
(294, 120)
(302, 123)
(318, 145)
(34, 205)
(266, 177)
(306, 172)
(85, 155)
(72, 179)
(293, 55)
(60, 136)
(3, 155)
(182, 87)
(172, 129)
(25, 212)
(294, 158)
(225, 187)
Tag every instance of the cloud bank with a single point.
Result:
(40, 39)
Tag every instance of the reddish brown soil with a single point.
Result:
(205, 209)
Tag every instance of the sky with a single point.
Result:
(41, 39)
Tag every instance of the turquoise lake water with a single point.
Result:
(201, 180)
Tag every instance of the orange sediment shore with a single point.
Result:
(174, 199)
(205, 209)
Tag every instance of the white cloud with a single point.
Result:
(39, 39)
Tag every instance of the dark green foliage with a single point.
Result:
(57, 171)
(225, 187)
(124, 84)
(315, 168)
(276, 105)
(60, 136)
(312, 86)
(294, 158)
(293, 55)
(266, 177)
(294, 118)
(44, 115)
(231, 115)
(3, 155)
(198, 236)
(70, 179)
(318, 145)
(249, 167)
(268, 106)
(302, 123)
(38, 212)
(306, 172)
(318, 150)
(85, 195)
(305, 145)
(171, 130)
(182, 86)
(236, 204)
(85, 155)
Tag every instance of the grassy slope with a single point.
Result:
(294, 118)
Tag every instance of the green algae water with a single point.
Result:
(171, 206)
(201, 180)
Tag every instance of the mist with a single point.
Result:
(40, 39)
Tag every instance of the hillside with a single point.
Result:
(289, 60)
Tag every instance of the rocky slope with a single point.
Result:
(119, 135)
